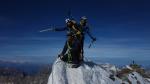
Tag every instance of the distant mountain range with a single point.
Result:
(23, 73)
(26, 67)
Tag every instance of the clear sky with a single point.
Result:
(122, 28)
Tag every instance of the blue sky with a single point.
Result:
(122, 28)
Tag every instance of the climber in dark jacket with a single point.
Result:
(73, 43)
(84, 30)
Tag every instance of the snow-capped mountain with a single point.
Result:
(91, 73)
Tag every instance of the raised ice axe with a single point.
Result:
(49, 29)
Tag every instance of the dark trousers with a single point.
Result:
(76, 52)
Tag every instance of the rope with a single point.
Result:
(69, 53)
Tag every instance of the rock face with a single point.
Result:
(91, 73)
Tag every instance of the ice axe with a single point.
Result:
(50, 29)
(91, 43)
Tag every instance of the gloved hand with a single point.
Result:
(94, 39)
(61, 56)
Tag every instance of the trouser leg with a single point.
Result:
(82, 49)
(64, 49)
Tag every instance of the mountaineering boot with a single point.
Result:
(61, 56)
